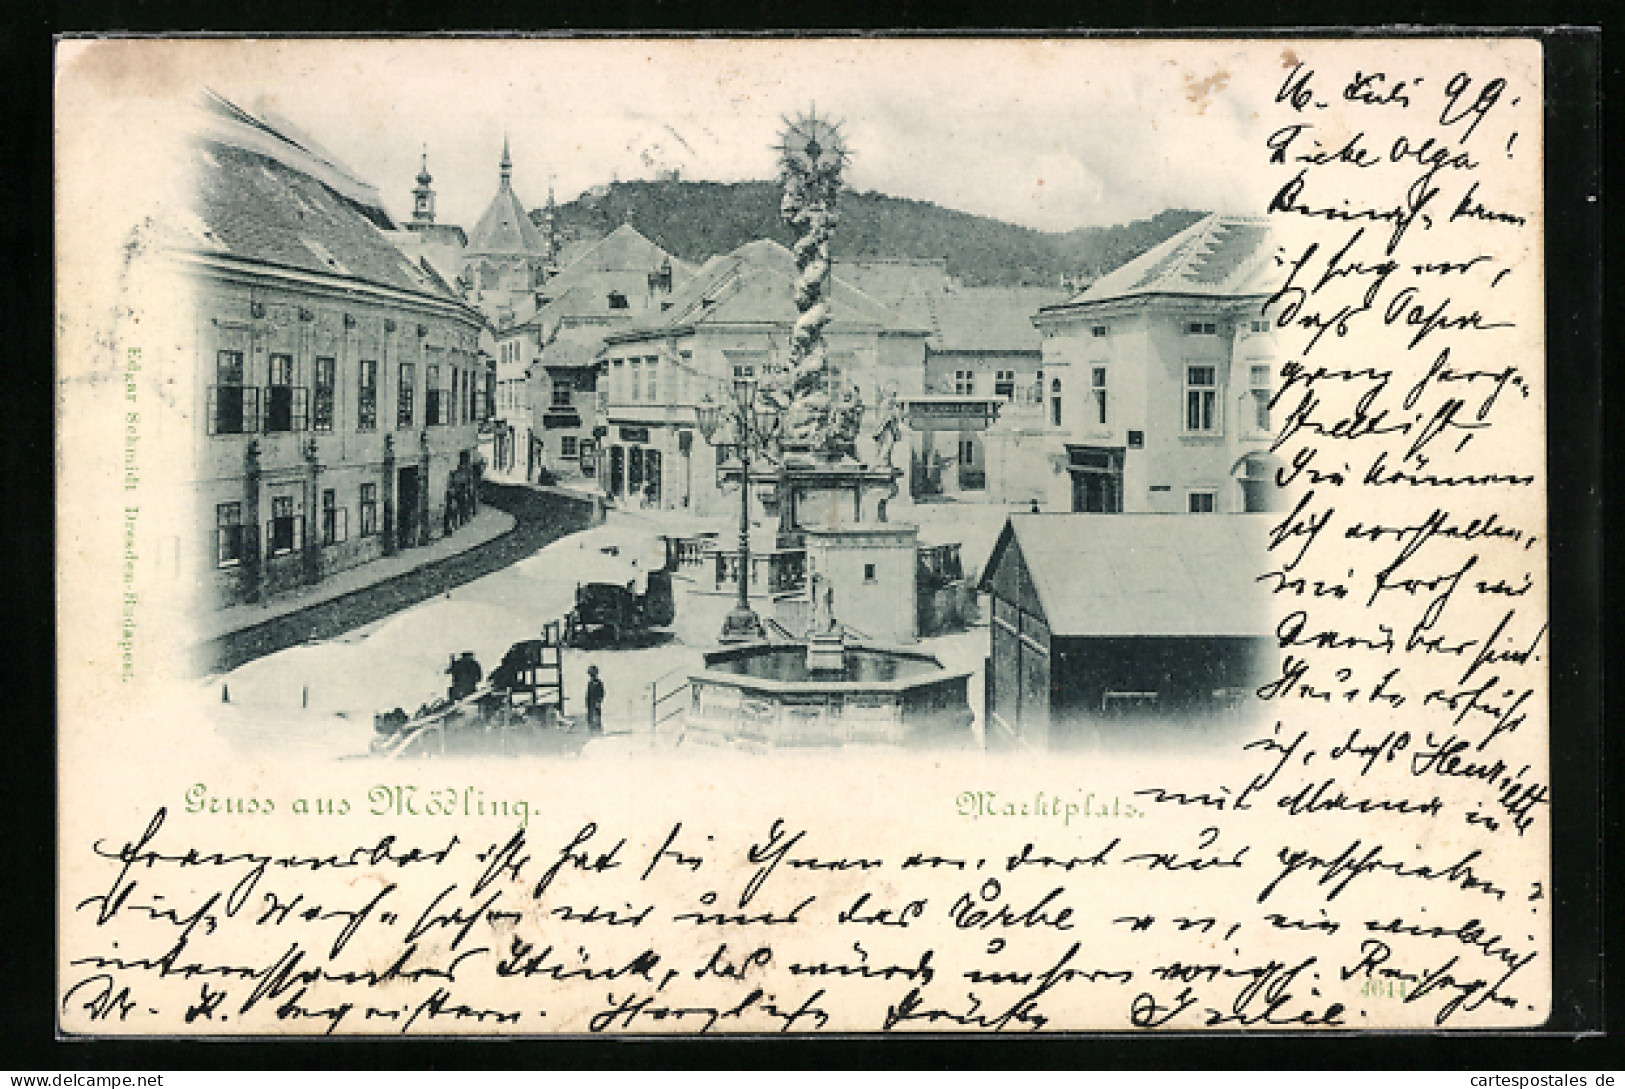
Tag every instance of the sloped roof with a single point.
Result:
(891, 280)
(990, 318)
(619, 262)
(909, 288)
(445, 259)
(571, 351)
(1217, 256)
(225, 123)
(258, 208)
(624, 248)
(755, 285)
(1125, 575)
(505, 228)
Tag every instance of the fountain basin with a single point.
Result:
(766, 695)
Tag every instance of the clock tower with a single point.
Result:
(423, 196)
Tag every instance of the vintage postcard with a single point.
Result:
(648, 536)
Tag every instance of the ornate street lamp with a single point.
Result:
(741, 624)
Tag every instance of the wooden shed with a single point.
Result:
(1112, 624)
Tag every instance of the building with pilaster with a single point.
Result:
(731, 321)
(337, 384)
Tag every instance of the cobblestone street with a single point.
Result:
(540, 517)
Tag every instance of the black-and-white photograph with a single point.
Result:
(554, 414)
(851, 535)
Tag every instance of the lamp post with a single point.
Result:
(741, 624)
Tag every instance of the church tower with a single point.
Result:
(550, 231)
(506, 257)
(423, 196)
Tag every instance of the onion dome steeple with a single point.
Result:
(423, 196)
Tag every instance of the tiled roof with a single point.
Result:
(443, 258)
(890, 281)
(257, 208)
(570, 351)
(1216, 256)
(754, 285)
(228, 124)
(622, 249)
(989, 318)
(620, 262)
(1123, 575)
(505, 228)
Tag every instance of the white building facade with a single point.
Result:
(1156, 385)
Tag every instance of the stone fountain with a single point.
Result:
(840, 681)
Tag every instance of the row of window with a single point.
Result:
(635, 379)
(511, 394)
(642, 378)
(286, 404)
(1193, 328)
(1209, 328)
(1004, 383)
(1203, 406)
(285, 531)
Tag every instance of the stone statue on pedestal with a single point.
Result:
(816, 419)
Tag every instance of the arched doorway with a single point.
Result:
(1255, 474)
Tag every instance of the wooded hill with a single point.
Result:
(694, 220)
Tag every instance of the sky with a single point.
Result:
(1052, 135)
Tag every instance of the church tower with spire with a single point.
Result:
(423, 196)
(442, 243)
(506, 258)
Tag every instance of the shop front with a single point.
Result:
(647, 465)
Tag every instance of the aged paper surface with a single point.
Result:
(1356, 839)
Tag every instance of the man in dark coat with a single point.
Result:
(595, 701)
(465, 675)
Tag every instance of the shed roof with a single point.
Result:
(1128, 575)
(223, 122)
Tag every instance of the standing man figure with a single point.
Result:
(465, 675)
(595, 701)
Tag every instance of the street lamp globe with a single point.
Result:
(708, 414)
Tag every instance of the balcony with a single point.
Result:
(774, 572)
(245, 410)
(234, 410)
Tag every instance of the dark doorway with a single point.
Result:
(1097, 479)
(634, 471)
(406, 503)
(617, 469)
(651, 477)
(1259, 493)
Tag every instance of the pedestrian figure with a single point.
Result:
(465, 675)
(595, 701)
